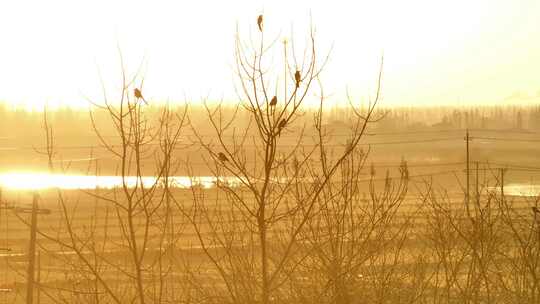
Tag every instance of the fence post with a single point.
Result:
(32, 253)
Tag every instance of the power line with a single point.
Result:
(509, 169)
(374, 133)
(244, 145)
(506, 131)
(456, 131)
(513, 165)
(506, 139)
(187, 145)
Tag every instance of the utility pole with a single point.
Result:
(7, 249)
(477, 186)
(32, 253)
(467, 195)
(38, 278)
(502, 184)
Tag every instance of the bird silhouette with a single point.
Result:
(260, 22)
(281, 125)
(222, 157)
(138, 94)
(535, 210)
(273, 102)
(297, 78)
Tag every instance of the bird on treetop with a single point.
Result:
(138, 94)
(222, 157)
(281, 125)
(273, 102)
(260, 22)
(297, 78)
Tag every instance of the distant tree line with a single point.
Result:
(18, 122)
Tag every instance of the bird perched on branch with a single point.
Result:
(138, 95)
(273, 102)
(222, 157)
(260, 22)
(297, 78)
(281, 125)
(536, 214)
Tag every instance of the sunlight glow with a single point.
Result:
(435, 51)
(40, 181)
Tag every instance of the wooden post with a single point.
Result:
(32, 253)
(38, 278)
(467, 195)
(477, 186)
(1, 207)
(502, 185)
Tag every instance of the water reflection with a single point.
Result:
(522, 189)
(39, 180)
(36, 181)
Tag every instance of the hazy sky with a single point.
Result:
(435, 51)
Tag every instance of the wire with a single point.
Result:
(374, 133)
(514, 165)
(157, 144)
(505, 139)
(505, 131)
(413, 165)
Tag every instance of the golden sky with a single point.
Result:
(436, 52)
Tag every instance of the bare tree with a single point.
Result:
(122, 249)
(268, 187)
